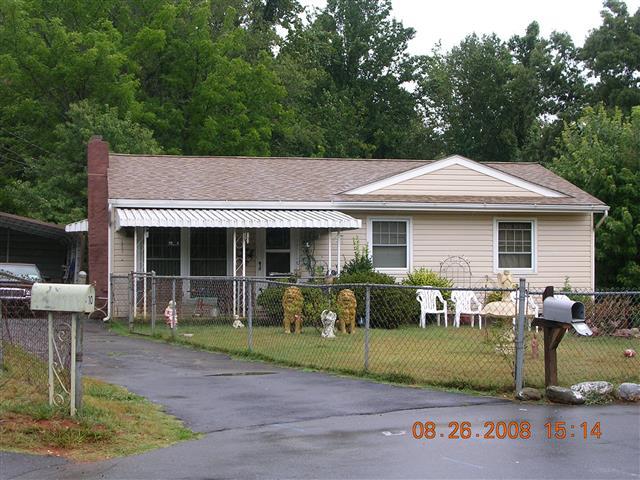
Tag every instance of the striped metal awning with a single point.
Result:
(219, 218)
(79, 226)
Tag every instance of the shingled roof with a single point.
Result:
(296, 179)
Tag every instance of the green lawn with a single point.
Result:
(451, 357)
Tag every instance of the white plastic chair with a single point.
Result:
(466, 302)
(530, 306)
(427, 300)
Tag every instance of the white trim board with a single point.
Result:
(455, 160)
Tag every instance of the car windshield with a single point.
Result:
(28, 272)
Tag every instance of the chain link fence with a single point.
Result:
(25, 348)
(449, 337)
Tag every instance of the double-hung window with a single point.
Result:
(389, 241)
(515, 245)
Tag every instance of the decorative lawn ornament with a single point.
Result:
(534, 347)
(328, 319)
(171, 315)
(292, 302)
(347, 311)
(237, 323)
(629, 353)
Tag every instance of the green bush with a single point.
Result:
(424, 277)
(390, 307)
(315, 301)
(270, 299)
(361, 261)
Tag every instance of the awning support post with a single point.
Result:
(330, 259)
(339, 242)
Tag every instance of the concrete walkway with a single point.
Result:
(264, 421)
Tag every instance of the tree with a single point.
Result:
(600, 153)
(352, 58)
(56, 189)
(612, 54)
(467, 95)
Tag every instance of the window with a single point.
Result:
(208, 252)
(515, 245)
(163, 251)
(389, 243)
(278, 251)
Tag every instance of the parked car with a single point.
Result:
(16, 280)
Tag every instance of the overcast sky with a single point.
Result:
(451, 20)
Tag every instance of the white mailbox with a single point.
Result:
(63, 297)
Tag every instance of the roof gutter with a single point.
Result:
(351, 205)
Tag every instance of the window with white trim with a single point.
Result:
(515, 245)
(389, 243)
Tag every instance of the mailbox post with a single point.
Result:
(68, 298)
(558, 316)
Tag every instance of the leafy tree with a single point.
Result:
(466, 93)
(612, 54)
(352, 58)
(600, 153)
(56, 190)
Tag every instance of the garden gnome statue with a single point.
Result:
(346, 311)
(328, 319)
(292, 302)
(171, 315)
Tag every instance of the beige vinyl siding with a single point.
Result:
(564, 244)
(455, 180)
(122, 252)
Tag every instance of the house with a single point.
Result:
(256, 216)
(26, 240)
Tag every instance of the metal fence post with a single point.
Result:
(153, 302)
(174, 311)
(250, 317)
(367, 313)
(131, 306)
(82, 279)
(1, 340)
(50, 352)
(74, 378)
(519, 367)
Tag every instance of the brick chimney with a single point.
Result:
(97, 196)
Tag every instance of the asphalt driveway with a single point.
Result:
(265, 421)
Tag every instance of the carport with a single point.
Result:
(26, 240)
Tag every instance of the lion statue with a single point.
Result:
(346, 304)
(292, 302)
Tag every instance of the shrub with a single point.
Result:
(424, 277)
(315, 301)
(390, 307)
(270, 299)
(361, 261)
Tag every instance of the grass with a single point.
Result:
(461, 358)
(113, 422)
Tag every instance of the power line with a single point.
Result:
(26, 141)
(17, 158)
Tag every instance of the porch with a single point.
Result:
(228, 243)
